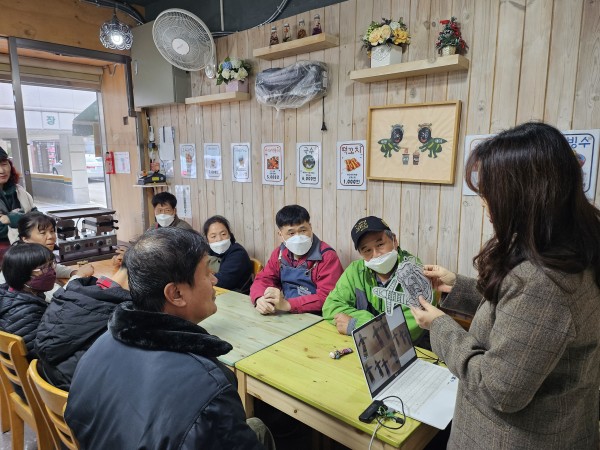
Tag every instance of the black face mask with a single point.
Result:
(44, 282)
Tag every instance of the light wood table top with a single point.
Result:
(237, 322)
(298, 376)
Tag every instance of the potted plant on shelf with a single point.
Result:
(450, 40)
(386, 41)
(233, 72)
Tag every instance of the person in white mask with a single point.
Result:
(352, 302)
(228, 260)
(300, 272)
(165, 212)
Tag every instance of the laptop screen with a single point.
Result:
(384, 348)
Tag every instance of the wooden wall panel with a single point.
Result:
(511, 45)
(66, 22)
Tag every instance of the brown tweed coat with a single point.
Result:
(529, 367)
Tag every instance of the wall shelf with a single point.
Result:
(225, 97)
(308, 44)
(442, 64)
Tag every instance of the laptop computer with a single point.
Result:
(391, 368)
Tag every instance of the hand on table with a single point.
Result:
(341, 322)
(87, 270)
(271, 301)
(426, 314)
(441, 278)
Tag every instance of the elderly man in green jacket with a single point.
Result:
(352, 302)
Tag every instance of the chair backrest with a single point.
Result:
(54, 401)
(256, 266)
(14, 364)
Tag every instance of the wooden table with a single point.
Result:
(298, 377)
(237, 322)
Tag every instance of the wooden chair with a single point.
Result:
(54, 401)
(256, 266)
(13, 365)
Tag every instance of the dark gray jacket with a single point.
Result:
(75, 318)
(20, 314)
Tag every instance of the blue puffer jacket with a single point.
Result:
(153, 382)
(75, 318)
(20, 314)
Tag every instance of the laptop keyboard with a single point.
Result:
(421, 381)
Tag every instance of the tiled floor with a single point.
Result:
(30, 440)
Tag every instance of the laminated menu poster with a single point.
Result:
(351, 165)
(309, 165)
(241, 164)
(212, 162)
(272, 164)
(187, 154)
(184, 201)
(585, 145)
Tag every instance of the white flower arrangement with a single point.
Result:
(233, 69)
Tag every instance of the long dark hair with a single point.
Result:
(533, 185)
(218, 219)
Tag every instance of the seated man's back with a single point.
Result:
(76, 317)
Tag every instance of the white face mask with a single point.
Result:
(383, 264)
(164, 220)
(220, 247)
(299, 244)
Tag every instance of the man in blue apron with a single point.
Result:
(300, 272)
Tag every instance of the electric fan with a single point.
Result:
(185, 41)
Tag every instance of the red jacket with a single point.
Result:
(324, 276)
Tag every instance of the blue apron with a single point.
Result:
(297, 281)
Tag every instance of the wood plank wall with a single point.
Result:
(530, 60)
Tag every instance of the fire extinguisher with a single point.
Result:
(109, 162)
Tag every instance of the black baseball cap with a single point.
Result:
(367, 225)
(3, 154)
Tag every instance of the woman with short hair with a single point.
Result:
(228, 259)
(29, 270)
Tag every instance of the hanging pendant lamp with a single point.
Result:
(115, 34)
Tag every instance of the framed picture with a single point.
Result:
(415, 142)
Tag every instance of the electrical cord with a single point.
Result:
(383, 413)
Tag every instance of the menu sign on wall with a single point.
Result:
(309, 165)
(351, 165)
(272, 164)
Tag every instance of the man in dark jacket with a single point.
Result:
(153, 380)
(76, 317)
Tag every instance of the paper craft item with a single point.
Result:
(409, 275)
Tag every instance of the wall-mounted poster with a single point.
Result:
(309, 165)
(184, 201)
(413, 142)
(187, 154)
(212, 162)
(351, 165)
(585, 145)
(272, 164)
(241, 164)
(122, 164)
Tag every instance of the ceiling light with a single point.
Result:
(116, 35)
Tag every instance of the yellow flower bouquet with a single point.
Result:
(387, 32)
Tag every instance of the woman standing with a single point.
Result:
(529, 367)
(228, 259)
(14, 202)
